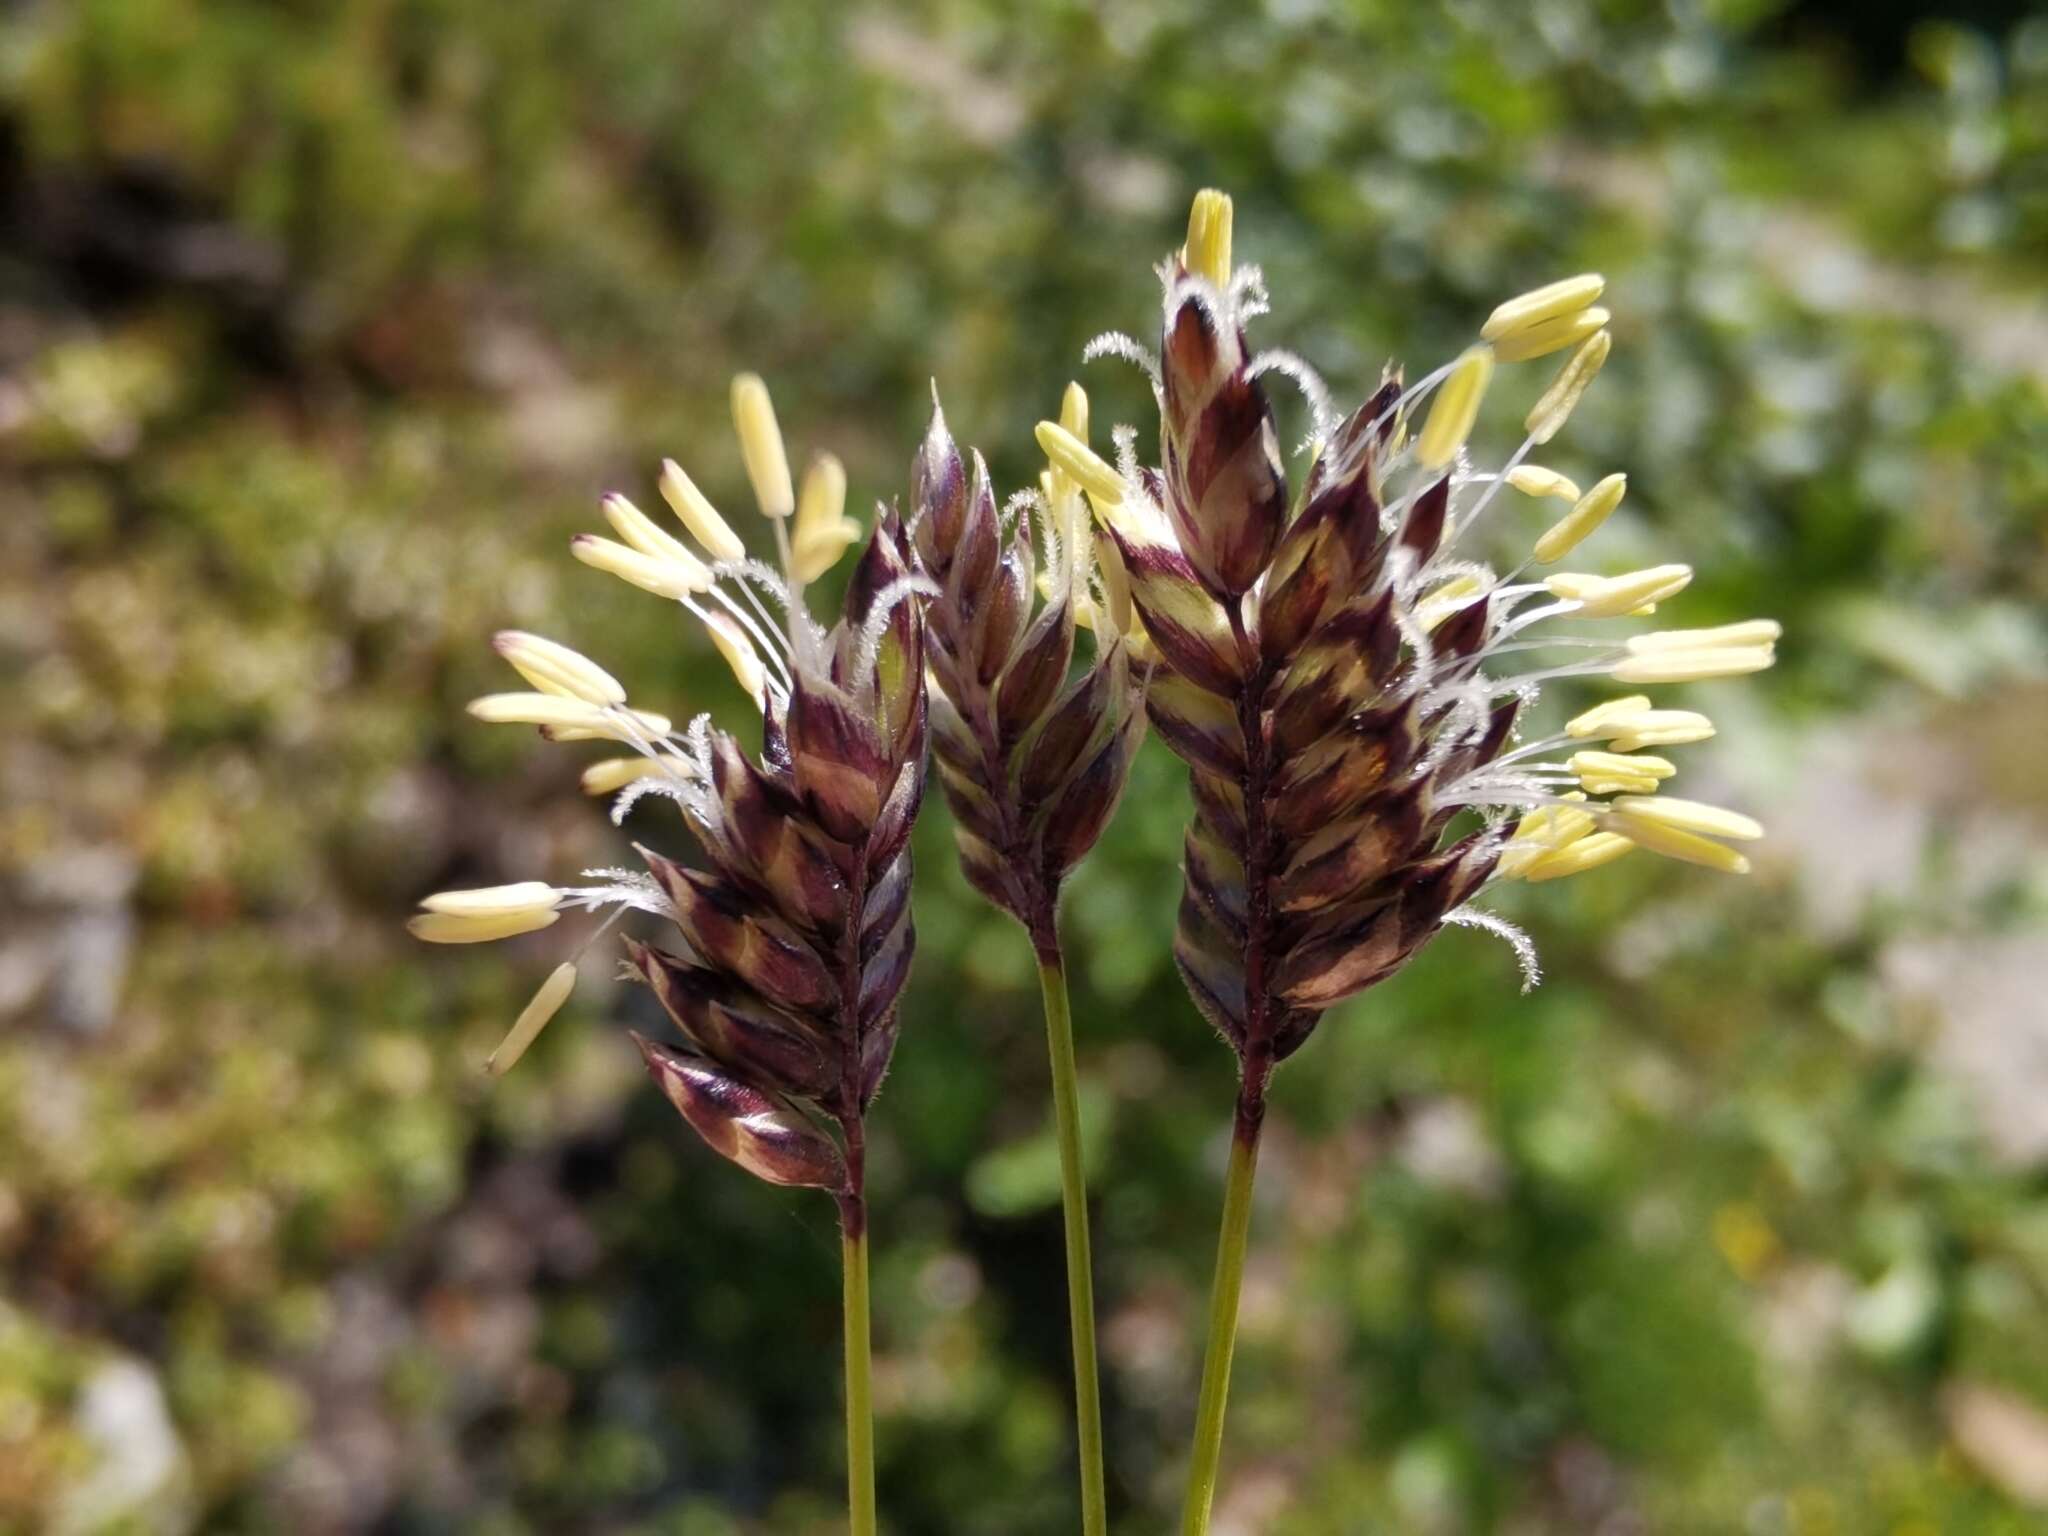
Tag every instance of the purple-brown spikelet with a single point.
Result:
(792, 948)
(1326, 656)
(1313, 865)
(786, 953)
(784, 958)
(1032, 754)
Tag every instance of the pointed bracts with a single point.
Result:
(1328, 662)
(786, 951)
(1032, 750)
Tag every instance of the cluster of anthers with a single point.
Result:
(1342, 656)
(792, 948)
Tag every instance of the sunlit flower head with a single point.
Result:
(1349, 674)
(785, 956)
(1033, 751)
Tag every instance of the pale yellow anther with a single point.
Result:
(1582, 854)
(694, 510)
(1674, 843)
(664, 578)
(823, 532)
(612, 774)
(453, 928)
(1588, 513)
(1551, 336)
(533, 1018)
(1541, 832)
(1074, 412)
(1552, 301)
(522, 897)
(1596, 764)
(1116, 583)
(1207, 253)
(740, 655)
(1547, 417)
(564, 719)
(1516, 858)
(1608, 597)
(643, 535)
(1659, 728)
(1446, 600)
(1552, 826)
(1619, 784)
(823, 502)
(1084, 607)
(753, 418)
(624, 725)
(1751, 632)
(1694, 666)
(1595, 721)
(1455, 409)
(1693, 816)
(555, 668)
(1090, 470)
(1535, 480)
(542, 709)
(813, 556)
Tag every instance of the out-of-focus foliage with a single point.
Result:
(321, 326)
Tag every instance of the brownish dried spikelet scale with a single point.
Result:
(795, 943)
(1032, 754)
(1314, 863)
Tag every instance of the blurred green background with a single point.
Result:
(322, 325)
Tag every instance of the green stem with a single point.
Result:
(1066, 1103)
(1207, 1456)
(860, 1410)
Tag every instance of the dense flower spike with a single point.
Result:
(786, 954)
(1332, 679)
(1032, 752)
(1345, 683)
